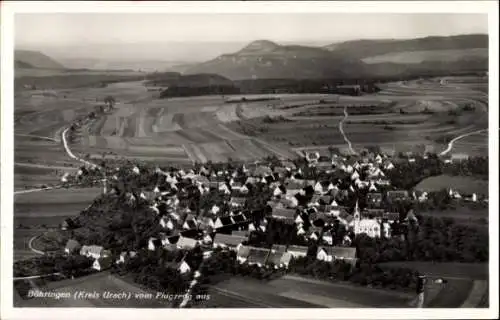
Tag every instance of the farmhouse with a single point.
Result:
(94, 251)
(330, 254)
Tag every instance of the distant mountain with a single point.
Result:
(265, 59)
(35, 59)
(368, 49)
(119, 64)
(21, 64)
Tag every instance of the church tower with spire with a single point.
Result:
(357, 218)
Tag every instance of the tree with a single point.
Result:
(109, 101)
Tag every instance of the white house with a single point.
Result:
(371, 227)
(166, 223)
(102, 263)
(151, 244)
(355, 175)
(388, 166)
(215, 209)
(299, 220)
(327, 238)
(184, 267)
(300, 231)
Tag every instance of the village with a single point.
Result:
(323, 211)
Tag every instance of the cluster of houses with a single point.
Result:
(229, 224)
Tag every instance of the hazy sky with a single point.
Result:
(90, 31)
(61, 29)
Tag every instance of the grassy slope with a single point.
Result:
(462, 184)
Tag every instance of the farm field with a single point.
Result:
(100, 283)
(467, 185)
(58, 203)
(208, 128)
(434, 55)
(22, 238)
(471, 271)
(466, 287)
(39, 211)
(418, 112)
(297, 292)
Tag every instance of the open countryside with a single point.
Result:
(351, 175)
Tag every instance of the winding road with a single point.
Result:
(341, 128)
(72, 156)
(450, 144)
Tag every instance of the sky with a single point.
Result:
(42, 30)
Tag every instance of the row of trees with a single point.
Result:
(48, 264)
(434, 239)
(363, 274)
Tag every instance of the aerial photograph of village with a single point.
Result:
(251, 160)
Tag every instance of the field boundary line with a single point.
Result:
(36, 277)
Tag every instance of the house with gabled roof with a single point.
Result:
(241, 233)
(280, 172)
(279, 190)
(186, 243)
(238, 202)
(126, 256)
(189, 224)
(258, 256)
(102, 263)
(347, 254)
(72, 246)
(284, 214)
(252, 181)
(397, 195)
(330, 254)
(154, 243)
(167, 223)
(297, 251)
(279, 259)
(225, 221)
(228, 240)
(94, 251)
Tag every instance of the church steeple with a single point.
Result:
(356, 211)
